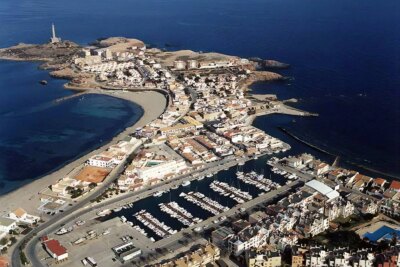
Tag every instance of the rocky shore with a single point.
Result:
(269, 64)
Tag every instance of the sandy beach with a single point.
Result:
(153, 105)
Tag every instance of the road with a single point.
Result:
(229, 213)
(53, 224)
(84, 206)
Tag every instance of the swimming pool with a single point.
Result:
(384, 232)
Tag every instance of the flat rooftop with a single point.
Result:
(92, 174)
(323, 189)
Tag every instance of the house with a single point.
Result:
(4, 262)
(54, 248)
(251, 237)
(359, 182)
(21, 216)
(379, 182)
(297, 261)
(7, 224)
(395, 186)
(205, 255)
(60, 188)
(101, 161)
(256, 258)
(321, 168)
(257, 216)
(294, 162)
(221, 236)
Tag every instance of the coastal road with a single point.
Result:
(85, 205)
(80, 208)
(54, 223)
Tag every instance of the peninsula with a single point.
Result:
(197, 122)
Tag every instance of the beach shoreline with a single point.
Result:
(151, 102)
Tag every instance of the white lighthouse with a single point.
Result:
(54, 39)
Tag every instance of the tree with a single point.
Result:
(394, 239)
(13, 240)
(3, 241)
(23, 258)
(92, 185)
(13, 232)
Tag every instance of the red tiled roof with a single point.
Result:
(55, 247)
(3, 262)
(395, 185)
(379, 181)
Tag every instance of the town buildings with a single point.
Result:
(54, 248)
(202, 256)
(21, 216)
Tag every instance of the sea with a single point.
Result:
(344, 58)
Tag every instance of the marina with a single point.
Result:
(154, 224)
(258, 180)
(196, 205)
(177, 212)
(204, 202)
(230, 191)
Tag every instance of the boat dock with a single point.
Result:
(177, 212)
(154, 224)
(257, 180)
(204, 202)
(230, 191)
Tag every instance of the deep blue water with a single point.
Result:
(338, 50)
(38, 135)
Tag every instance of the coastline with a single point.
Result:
(152, 103)
(347, 161)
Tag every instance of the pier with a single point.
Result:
(230, 191)
(154, 224)
(204, 202)
(212, 221)
(176, 211)
(257, 180)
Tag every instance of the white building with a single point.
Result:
(126, 251)
(318, 226)
(7, 224)
(323, 189)
(20, 215)
(55, 249)
(251, 237)
(294, 162)
(159, 169)
(101, 161)
(60, 188)
(192, 64)
(179, 65)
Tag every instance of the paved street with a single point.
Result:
(85, 207)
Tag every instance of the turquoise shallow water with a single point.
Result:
(344, 56)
